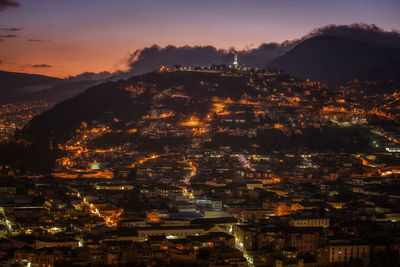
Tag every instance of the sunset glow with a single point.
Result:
(62, 38)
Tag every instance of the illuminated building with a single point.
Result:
(309, 222)
(342, 251)
(171, 232)
(95, 166)
(235, 59)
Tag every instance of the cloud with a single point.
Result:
(5, 4)
(151, 58)
(38, 41)
(369, 33)
(8, 36)
(91, 76)
(40, 65)
(11, 29)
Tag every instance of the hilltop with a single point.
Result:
(14, 83)
(336, 59)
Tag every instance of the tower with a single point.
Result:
(235, 59)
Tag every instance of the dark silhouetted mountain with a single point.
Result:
(390, 71)
(21, 86)
(65, 90)
(327, 58)
(90, 76)
(13, 83)
(366, 33)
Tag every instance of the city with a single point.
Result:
(286, 154)
(212, 185)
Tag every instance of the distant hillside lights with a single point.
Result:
(192, 122)
(225, 70)
(213, 68)
(164, 69)
(135, 90)
(393, 148)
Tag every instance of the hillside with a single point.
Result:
(171, 111)
(13, 83)
(326, 58)
(108, 100)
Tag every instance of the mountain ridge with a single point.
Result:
(13, 83)
(331, 58)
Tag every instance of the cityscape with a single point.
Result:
(287, 154)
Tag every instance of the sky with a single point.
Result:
(67, 37)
